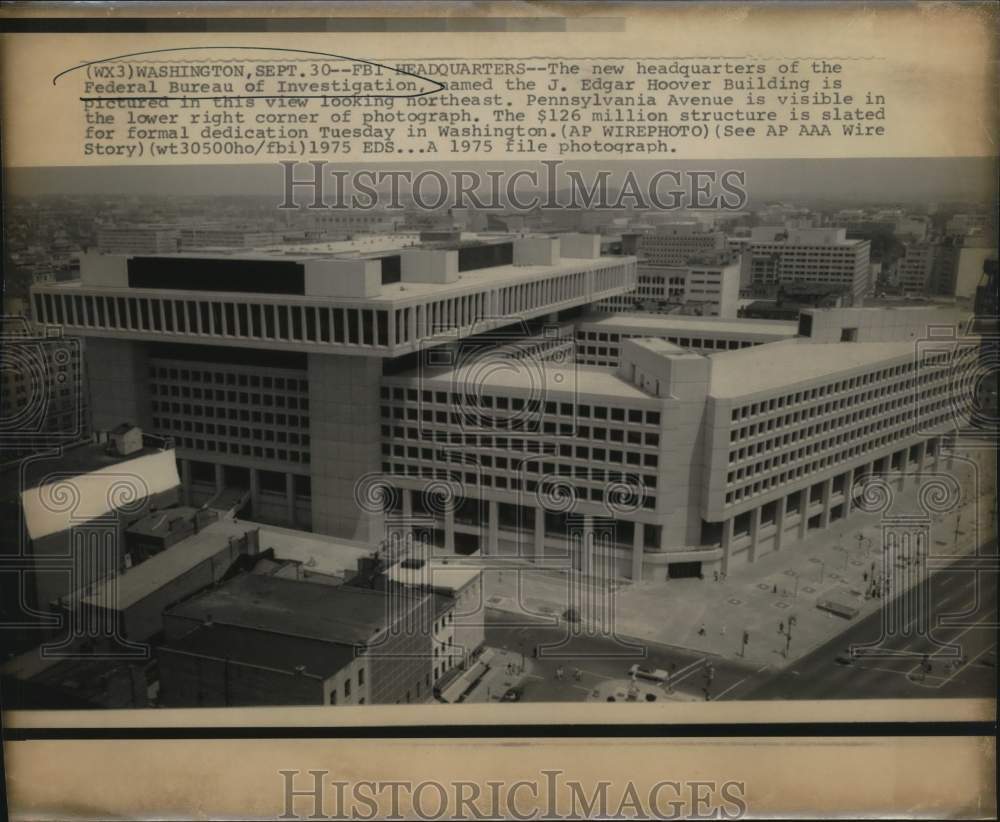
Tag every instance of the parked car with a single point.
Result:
(512, 695)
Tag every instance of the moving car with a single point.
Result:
(650, 674)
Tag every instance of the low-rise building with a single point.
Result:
(265, 640)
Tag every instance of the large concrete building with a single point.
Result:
(809, 255)
(266, 369)
(914, 268)
(142, 238)
(674, 244)
(684, 461)
(707, 285)
(396, 381)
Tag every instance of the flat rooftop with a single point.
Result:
(786, 363)
(346, 614)
(681, 323)
(434, 575)
(74, 461)
(535, 379)
(310, 657)
(319, 554)
(477, 279)
(161, 569)
(157, 524)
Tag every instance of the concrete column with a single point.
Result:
(936, 463)
(779, 522)
(254, 492)
(493, 530)
(449, 531)
(921, 455)
(290, 499)
(539, 544)
(754, 533)
(902, 468)
(185, 466)
(827, 503)
(587, 546)
(803, 513)
(727, 544)
(638, 548)
(407, 496)
(220, 478)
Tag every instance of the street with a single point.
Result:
(963, 613)
(600, 659)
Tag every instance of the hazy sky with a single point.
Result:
(862, 180)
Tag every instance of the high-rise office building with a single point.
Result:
(914, 268)
(809, 255)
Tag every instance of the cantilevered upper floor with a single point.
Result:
(372, 305)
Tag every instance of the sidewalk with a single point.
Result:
(758, 598)
(505, 672)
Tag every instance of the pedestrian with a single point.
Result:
(775, 589)
(559, 673)
(577, 674)
(722, 631)
(701, 630)
(781, 627)
(716, 573)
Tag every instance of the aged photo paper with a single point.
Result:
(534, 410)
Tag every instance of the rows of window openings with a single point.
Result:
(228, 412)
(576, 483)
(444, 658)
(901, 376)
(636, 449)
(222, 319)
(356, 326)
(442, 400)
(934, 409)
(609, 355)
(347, 689)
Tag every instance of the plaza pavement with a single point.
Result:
(759, 598)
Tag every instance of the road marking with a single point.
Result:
(720, 695)
(961, 668)
(951, 641)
